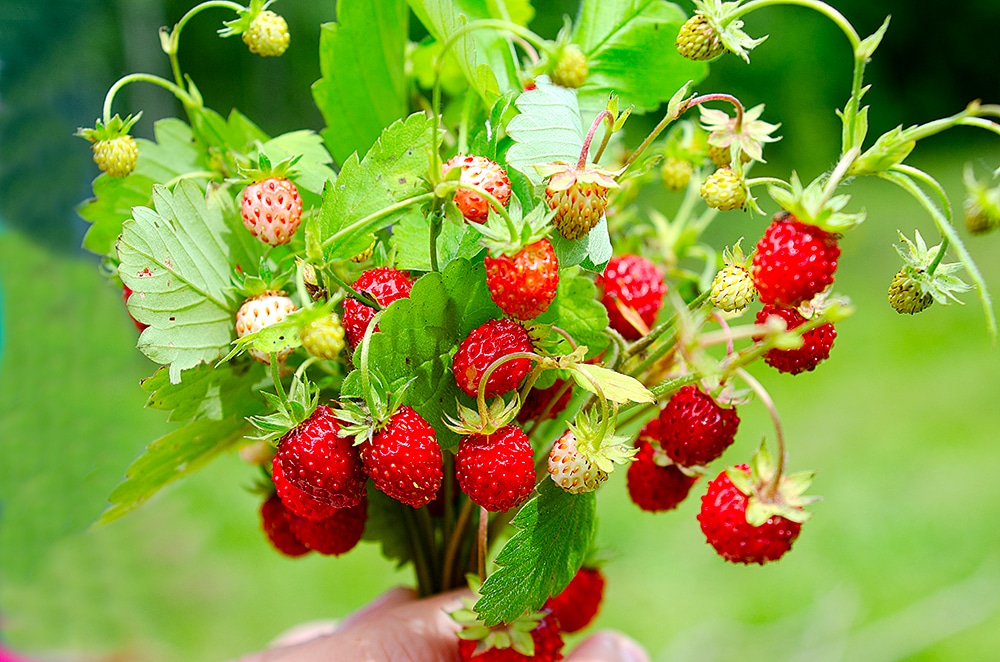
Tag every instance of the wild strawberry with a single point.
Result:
(723, 519)
(267, 35)
(403, 459)
(793, 262)
(676, 173)
(732, 288)
(633, 291)
(323, 337)
(816, 343)
(299, 502)
(334, 535)
(126, 293)
(577, 605)
(523, 285)
(698, 40)
(694, 429)
(497, 471)
(570, 470)
(484, 345)
(117, 156)
(263, 310)
(316, 460)
(547, 640)
(655, 484)
(906, 296)
(539, 398)
(483, 173)
(272, 210)
(571, 68)
(579, 195)
(724, 190)
(275, 520)
(385, 285)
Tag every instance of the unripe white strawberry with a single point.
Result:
(570, 469)
(260, 311)
(323, 337)
(267, 35)
(733, 288)
(116, 156)
(724, 190)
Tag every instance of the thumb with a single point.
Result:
(608, 647)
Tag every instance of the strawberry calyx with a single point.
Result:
(244, 18)
(115, 127)
(770, 495)
(813, 205)
(597, 442)
(514, 635)
(925, 273)
(982, 204)
(745, 134)
(723, 19)
(283, 169)
(472, 421)
(564, 175)
(511, 234)
(290, 410)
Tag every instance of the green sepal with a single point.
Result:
(289, 413)
(917, 259)
(868, 45)
(811, 206)
(498, 414)
(730, 30)
(890, 149)
(245, 17)
(115, 128)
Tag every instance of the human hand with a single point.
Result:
(398, 627)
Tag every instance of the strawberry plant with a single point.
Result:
(468, 243)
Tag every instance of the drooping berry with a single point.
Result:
(733, 288)
(816, 343)
(676, 173)
(571, 70)
(385, 285)
(523, 285)
(403, 459)
(578, 208)
(793, 261)
(323, 337)
(906, 296)
(632, 292)
(723, 520)
(267, 35)
(260, 311)
(654, 481)
(116, 156)
(275, 520)
(272, 210)
(497, 471)
(577, 605)
(483, 173)
(334, 535)
(316, 460)
(484, 345)
(570, 470)
(724, 190)
(694, 429)
(697, 40)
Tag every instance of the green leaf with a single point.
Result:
(630, 51)
(578, 311)
(389, 173)
(311, 172)
(616, 386)
(548, 129)
(442, 18)
(411, 240)
(206, 392)
(177, 259)
(175, 455)
(554, 533)
(418, 336)
(363, 87)
(235, 132)
(385, 515)
(172, 154)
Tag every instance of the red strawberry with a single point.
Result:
(794, 262)
(485, 174)
(275, 522)
(317, 461)
(385, 285)
(631, 282)
(126, 293)
(694, 429)
(272, 210)
(523, 285)
(298, 501)
(538, 399)
(497, 471)
(484, 345)
(577, 605)
(816, 343)
(655, 484)
(333, 535)
(548, 646)
(404, 459)
(724, 523)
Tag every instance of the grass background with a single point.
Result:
(901, 560)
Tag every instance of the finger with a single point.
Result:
(608, 647)
(392, 598)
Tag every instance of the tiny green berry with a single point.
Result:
(724, 190)
(267, 35)
(697, 40)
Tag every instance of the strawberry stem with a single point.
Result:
(448, 573)
(771, 489)
(484, 520)
(425, 583)
(481, 392)
(176, 90)
(585, 150)
(355, 227)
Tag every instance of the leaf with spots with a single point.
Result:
(177, 258)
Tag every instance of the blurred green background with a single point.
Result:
(901, 561)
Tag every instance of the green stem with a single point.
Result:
(366, 381)
(176, 90)
(171, 46)
(483, 539)
(425, 582)
(774, 181)
(481, 391)
(816, 5)
(426, 529)
(435, 232)
(454, 544)
(837, 176)
(581, 163)
(981, 123)
(385, 211)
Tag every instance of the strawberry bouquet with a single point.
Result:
(442, 322)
